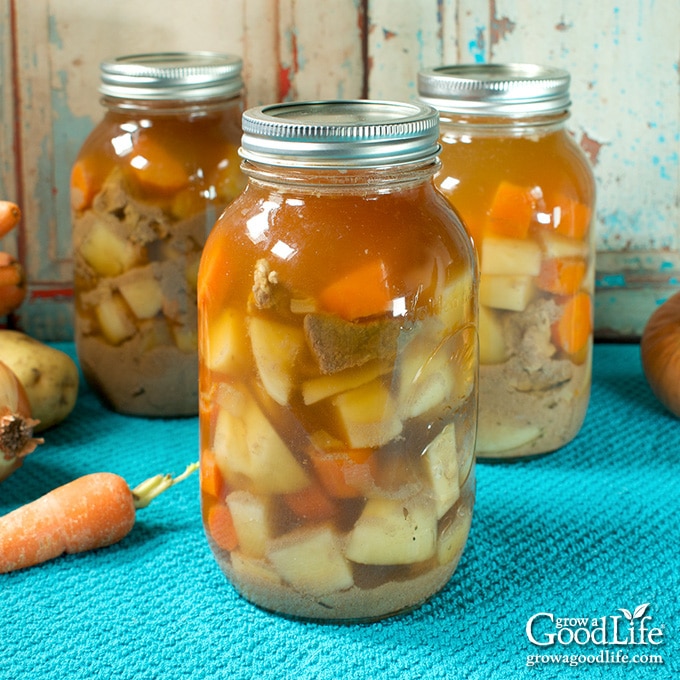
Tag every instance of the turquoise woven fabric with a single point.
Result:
(582, 533)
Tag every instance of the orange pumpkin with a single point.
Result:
(660, 353)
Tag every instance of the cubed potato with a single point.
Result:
(303, 305)
(425, 377)
(114, 320)
(252, 520)
(456, 302)
(393, 532)
(155, 333)
(510, 256)
(144, 296)
(225, 345)
(556, 245)
(311, 560)
(276, 347)
(251, 447)
(368, 416)
(185, 338)
(324, 386)
(453, 537)
(512, 293)
(108, 253)
(248, 570)
(441, 462)
(495, 438)
(191, 267)
(492, 349)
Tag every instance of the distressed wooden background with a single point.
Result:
(622, 54)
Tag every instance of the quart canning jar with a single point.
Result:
(338, 365)
(147, 185)
(526, 194)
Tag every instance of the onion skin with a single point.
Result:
(16, 424)
(660, 353)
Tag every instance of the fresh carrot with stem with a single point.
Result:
(93, 511)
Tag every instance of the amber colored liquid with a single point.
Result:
(370, 426)
(533, 350)
(551, 162)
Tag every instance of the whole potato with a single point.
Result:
(49, 376)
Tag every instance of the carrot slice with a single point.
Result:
(86, 182)
(574, 219)
(344, 474)
(511, 211)
(561, 275)
(221, 525)
(156, 168)
(311, 503)
(361, 293)
(212, 482)
(574, 328)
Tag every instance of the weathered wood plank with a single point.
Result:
(8, 165)
(60, 46)
(622, 55)
(403, 36)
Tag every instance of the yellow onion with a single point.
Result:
(16, 424)
(660, 353)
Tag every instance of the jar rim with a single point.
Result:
(162, 76)
(346, 133)
(512, 89)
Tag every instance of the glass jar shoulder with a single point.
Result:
(317, 234)
(530, 156)
(155, 160)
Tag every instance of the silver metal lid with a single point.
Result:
(340, 134)
(171, 76)
(495, 89)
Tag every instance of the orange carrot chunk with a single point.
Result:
(561, 275)
(511, 211)
(221, 526)
(90, 512)
(10, 214)
(86, 181)
(156, 168)
(361, 293)
(574, 219)
(344, 474)
(311, 503)
(212, 482)
(574, 328)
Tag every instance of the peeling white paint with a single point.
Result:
(622, 55)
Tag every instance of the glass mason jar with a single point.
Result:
(146, 187)
(337, 303)
(526, 194)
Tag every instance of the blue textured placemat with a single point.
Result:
(581, 533)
